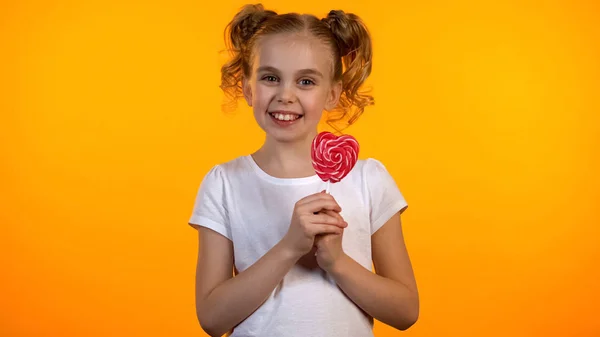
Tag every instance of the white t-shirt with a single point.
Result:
(253, 209)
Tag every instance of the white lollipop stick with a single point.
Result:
(326, 191)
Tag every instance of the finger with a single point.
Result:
(336, 215)
(324, 229)
(325, 219)
(313, 197)
(319, 205)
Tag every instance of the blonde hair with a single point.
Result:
(345, 34)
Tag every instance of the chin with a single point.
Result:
(286, 136)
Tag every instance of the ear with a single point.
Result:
(247, 91)
(334, 95)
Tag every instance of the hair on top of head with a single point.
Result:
(344, 33)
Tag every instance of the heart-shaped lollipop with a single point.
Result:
(333, 157)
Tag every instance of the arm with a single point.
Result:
(223, 301)
(391, 295)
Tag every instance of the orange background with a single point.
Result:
(487, 115)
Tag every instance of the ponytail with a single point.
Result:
(354, 45)
(239, 35)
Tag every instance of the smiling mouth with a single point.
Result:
(284, 116)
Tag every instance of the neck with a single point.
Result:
(286, 159)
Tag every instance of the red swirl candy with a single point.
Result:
(333, 157)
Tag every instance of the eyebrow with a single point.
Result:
(301, 72)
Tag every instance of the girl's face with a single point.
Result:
(290, 86)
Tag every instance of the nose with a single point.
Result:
(286, 94)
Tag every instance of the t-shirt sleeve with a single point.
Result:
(385, 198)
(209, 208)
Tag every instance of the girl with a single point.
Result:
(277, 257)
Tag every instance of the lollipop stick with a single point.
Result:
(326, 191)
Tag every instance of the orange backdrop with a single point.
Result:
(487, 115)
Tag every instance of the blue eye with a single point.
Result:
(270, 78)
(307, 81)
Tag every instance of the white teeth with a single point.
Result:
(285, 117)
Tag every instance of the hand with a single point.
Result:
(329, 250)
(306, 225)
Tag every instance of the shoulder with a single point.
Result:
(371, 166)
(375, 175)
(366, 172)
(223, 170)
(370, 174)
